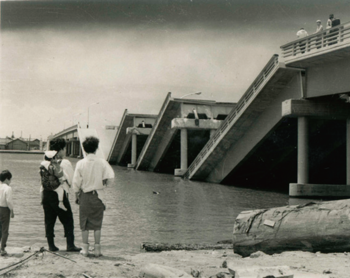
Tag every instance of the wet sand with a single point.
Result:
(208, 262)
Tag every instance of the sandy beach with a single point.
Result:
(203, 263)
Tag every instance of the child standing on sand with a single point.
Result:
(52, 165)
(6, 208)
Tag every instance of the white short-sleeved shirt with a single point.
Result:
(90, 173)
(5, 195)
(302, 33)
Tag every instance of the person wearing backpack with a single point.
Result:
(52, 176)
(50, 202)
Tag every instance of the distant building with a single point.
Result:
(17, 144)
(34, 144)
(20, 143)
(3, 143)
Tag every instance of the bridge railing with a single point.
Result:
(320, 41)
(228, 122)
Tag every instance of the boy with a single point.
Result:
(53, 166)
(6, 208)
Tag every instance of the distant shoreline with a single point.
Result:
(19, 151)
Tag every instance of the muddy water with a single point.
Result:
(183, 211)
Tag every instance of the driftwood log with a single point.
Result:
(159, 247)
(323, 226)
(159, 271)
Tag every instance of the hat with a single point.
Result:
(318, 21)
(50, 154)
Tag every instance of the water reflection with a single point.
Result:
(183, 211)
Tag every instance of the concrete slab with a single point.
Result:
(83, 134)
(315, 109)
(191, 123)
(319, 190)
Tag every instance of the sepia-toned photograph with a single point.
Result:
(175, 138)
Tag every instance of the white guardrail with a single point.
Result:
(320, 41)
(226, 125)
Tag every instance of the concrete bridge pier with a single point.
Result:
(183, 154)
(48, 144)
(72, 149)
(80, 152)
(193, 124)
(303, 150)
(67, 148)
(348, 151)
(303, 109)
(133, 150)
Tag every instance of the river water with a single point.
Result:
(183, 211)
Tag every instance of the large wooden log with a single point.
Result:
(159, 247)
(323, 226)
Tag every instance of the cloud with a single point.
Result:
(58, 73)
(56, 66)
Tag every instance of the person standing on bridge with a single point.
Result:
(50, 202)
(91, 176)
(329, 21)
(319, 29)
(333, 34)
(302, 34)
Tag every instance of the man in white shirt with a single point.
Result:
(91, 176)
(6, 208)
(302, 34)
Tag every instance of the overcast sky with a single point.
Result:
(58, 58)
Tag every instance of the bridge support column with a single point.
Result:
(302, 188)
(67, 148)
(212, 132)
(76, 148)
(347, 151)
(80, 151)
(303, 150)
(184, 159)
(71, 149)
(133, 151)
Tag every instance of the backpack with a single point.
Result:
(48, 180)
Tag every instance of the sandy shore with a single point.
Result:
(208, 262)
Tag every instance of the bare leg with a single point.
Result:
(85, 236)
(85, 249)
(97, 235)
(60, 192)
(61, 205)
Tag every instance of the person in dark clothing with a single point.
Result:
(50, 203)
(334, 33)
